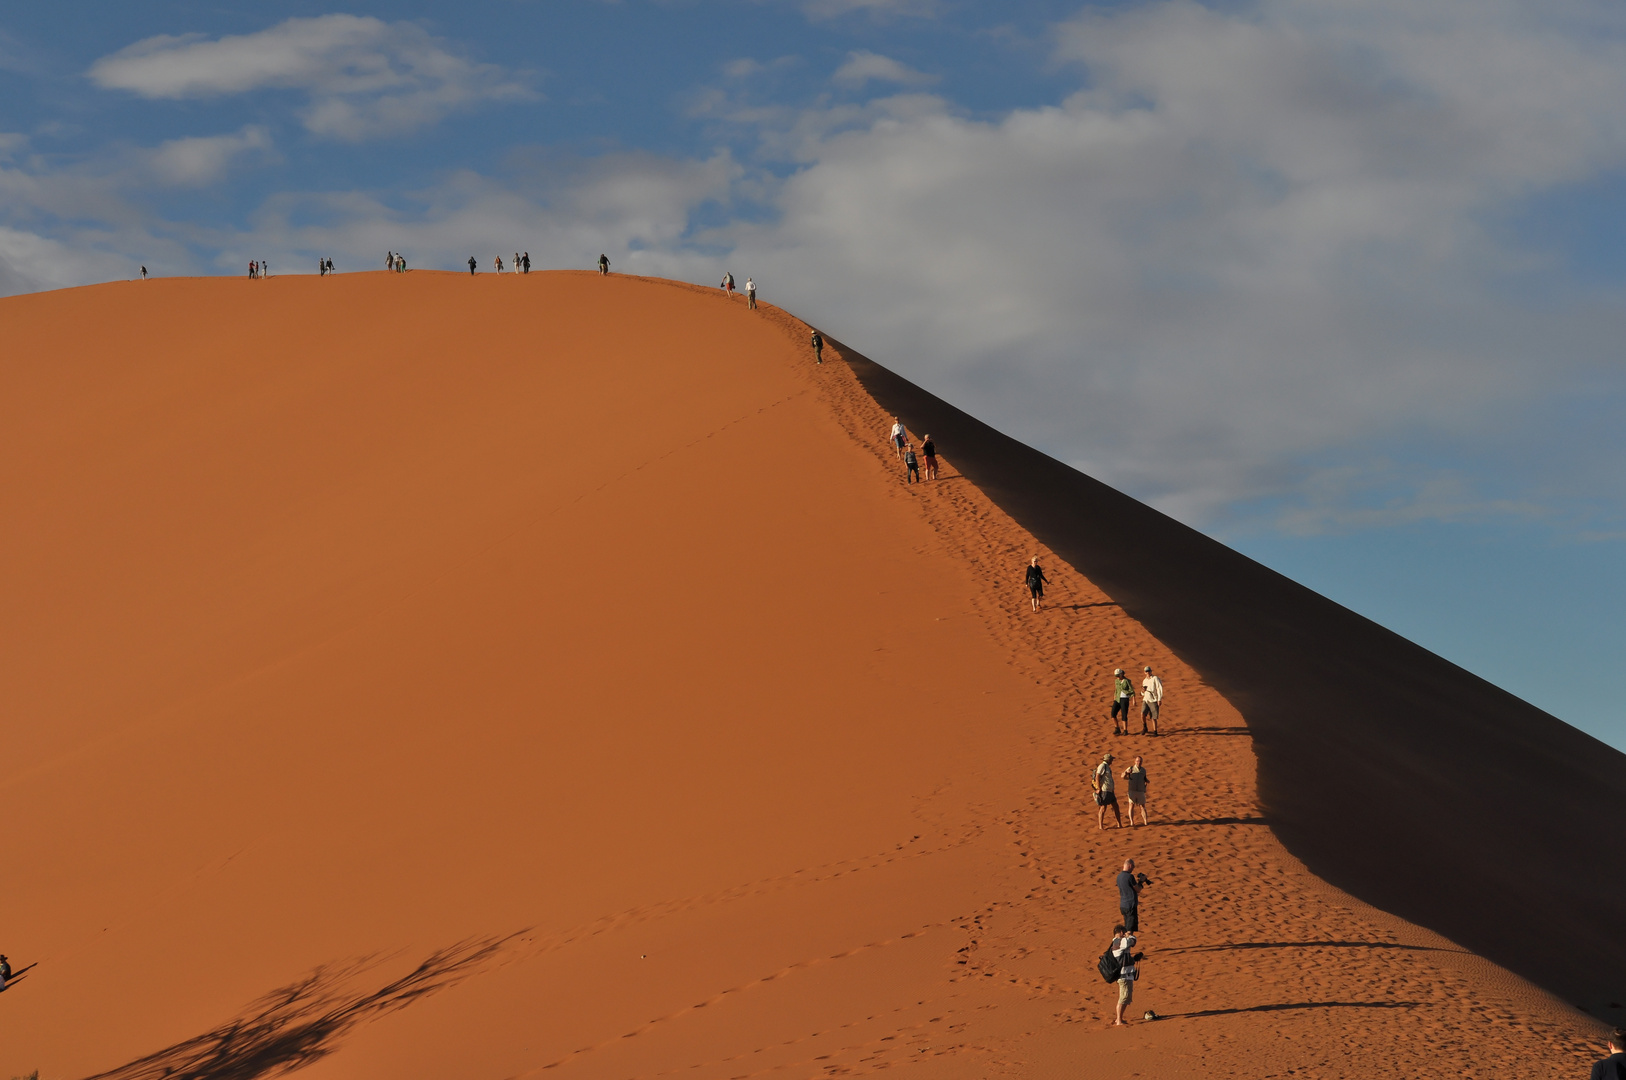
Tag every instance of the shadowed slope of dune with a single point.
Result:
(421, 675)
(1390, 771)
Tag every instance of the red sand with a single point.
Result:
(587, 622)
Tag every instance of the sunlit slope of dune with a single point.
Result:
(420, 675)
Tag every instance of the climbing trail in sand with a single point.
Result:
(423, 676)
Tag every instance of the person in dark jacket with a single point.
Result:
(818, 347)
(1036, 583)
(912, 464)
(472, 264)
(1613, 1067)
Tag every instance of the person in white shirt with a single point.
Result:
(899, 436)
(1123, 947)
(750, 294)
(1151, 696)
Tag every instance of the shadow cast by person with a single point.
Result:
(303, 1022)
(1080, 607)
(1308, 945)
(1285, 1006)
(1212, 821)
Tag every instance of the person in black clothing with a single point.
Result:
(1036, 583)
(818, 347)
(472, 265)
(525, 261)
(929, 448)
(603, 264)
(1129, 887)
(1612, 1067)
(143, 273)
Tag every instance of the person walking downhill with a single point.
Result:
(1036, 583)
(1151, 697)
(911, 464)
(929, 448)
(899, 436)
(818, 347)
(472, 265)
(1102, 784)
(1123, 696)
(603, 265)
(1123, 950)
(750, 294)
(1135, 782)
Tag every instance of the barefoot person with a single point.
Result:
(1151, 696)
(1135, 783)
(1123, 948)
(929, 448)
(1036, 583)
(1123, 695)
(1102, 784)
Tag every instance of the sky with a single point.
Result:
(1341, 283)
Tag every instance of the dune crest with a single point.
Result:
(551, 675)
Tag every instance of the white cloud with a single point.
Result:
(364, 77)
(202, 160)
(861, 67)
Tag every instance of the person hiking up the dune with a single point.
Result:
(1123, 696)
(1612, 1067)
(817, 342)
(1036, 583)
(899, 436)
(911, 464)
(929, 448)
(1135, 782)
(750, 294)
(472, 265)
(728, 285)
(603, 265)
(1102, 784)
(1123, 950)
(1151, 697)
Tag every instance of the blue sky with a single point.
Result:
(1341, 282)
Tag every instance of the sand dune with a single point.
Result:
(419, 675)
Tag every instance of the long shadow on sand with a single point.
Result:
(1205, 731)
(1309, 945)
(1212, 821)
(1299, 1005)
(303, 1022)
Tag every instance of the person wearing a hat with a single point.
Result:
(1105, 796)
(1151, 696)
(1123, 694)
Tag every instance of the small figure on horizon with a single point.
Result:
(603, 265)
(911, 464)
(389, 261)
(1123, 695)
(750, 294)
(1123, 948)
(1036, 582)
(1135, 781)
(143, 273)
(472, 265)
(515, 263)
(321, 268)
(265, 268)
(899, 436)
(330, 266)
(1151, 698)
(400, 264)
(1612, 1067)
(251, 269)
(525, 261)
(818, 347)
(1105, 796)
(929, 448)
(497, 262)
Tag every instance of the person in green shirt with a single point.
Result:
(1123, 696)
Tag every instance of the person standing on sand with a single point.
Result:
(526, 262)
(750, 294)
(400, 264)
(929, 448)
(1101, 782)
(472, 265)
(1123, 947)
(818, 347)
(330, 266)
(143, 273)
(1036, 582)
(900, 435)
(251, 269)
(1129, 887)
(1151, 697)
(1135, 781)
(1612, 1067)
(912, 464)
(1123, 692)
(498, 263)
(603, 265)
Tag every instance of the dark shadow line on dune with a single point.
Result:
(1080, 607)
(1309, 945)
(1206, 731)
(1298, 1005)
(1211, 821)
(303, 1022)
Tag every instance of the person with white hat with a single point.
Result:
(1105, 796)
(1123, 692)
(1151, 696)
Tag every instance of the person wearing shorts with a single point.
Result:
(929, 448)
(1151, 697)
(900, 435)
(1123, 947)
(1036, 583)
(1123, 697)
(1135, 782)
(1102, 783)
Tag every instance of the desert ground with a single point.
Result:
(425, 676)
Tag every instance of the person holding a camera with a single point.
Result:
(1123, 950)
(1129, 886)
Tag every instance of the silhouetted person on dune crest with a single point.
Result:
(472, 265)
(603, 265)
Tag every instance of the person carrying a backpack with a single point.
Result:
(1123, 950)
(1105, 796)
(818, 347)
